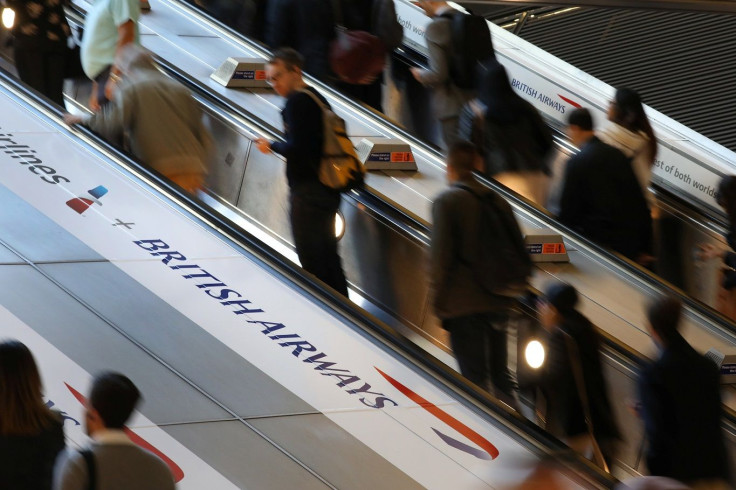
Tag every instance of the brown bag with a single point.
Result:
(356, 57)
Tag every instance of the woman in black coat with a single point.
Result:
(31, 435)
(574, 350)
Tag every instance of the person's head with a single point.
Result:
(22, 410)
(663, 318)
(132, 57)
(627, 110)
(495, 91)
(462, 159)
(284, 71)
(580, 126)
(430, 7)
(726, 196)
(111, 401)
(559, 302)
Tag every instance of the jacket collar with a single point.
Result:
(111, 436)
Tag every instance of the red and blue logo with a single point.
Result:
(82, 204)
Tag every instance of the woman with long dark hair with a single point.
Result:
(31, 435)
(631, 132)
(509, 133)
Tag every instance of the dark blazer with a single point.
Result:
(602, 199)
(565, 410)
(456, 215)
(681, 408)
(27, 462)
(305, 25)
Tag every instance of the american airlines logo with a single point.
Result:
(82, 204)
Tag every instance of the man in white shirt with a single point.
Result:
(110, 25)
(112, 459)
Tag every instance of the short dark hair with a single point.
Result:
(462, 157)
(114, 396)
(581, 118)
(291, 58)
(664, 314)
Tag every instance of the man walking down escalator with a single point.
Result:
(313, 205)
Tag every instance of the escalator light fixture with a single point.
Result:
(339, 225)
(534, 354)
(8, 17)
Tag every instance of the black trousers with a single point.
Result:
(313, 209)
(370, 94)
(42, 70)
(479, 344)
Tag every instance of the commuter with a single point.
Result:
(680, 404)
(726, 198)
(511, 135)
(475, 318)
(448, 99)
(308, 26)
(160, 118)
(377, 17)
(110, 25)
(573, 381)
(313, 205)
(601, 197)
(630, 131)
(31, 435)
(115, 461)
(40, 34)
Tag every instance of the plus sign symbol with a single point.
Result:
(119, 222)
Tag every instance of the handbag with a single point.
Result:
(356, 57)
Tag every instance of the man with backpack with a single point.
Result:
(457, 42)
(478, 265)
(313, 204)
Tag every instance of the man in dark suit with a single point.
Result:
(601, 197)
(680, 404)
(307, 26)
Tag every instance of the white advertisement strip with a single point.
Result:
(65, 384)
(686, 161)
(369, 393)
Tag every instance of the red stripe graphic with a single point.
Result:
(176, 471)
(571, 102)
(443, 416)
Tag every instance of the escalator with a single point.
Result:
(389, 278)
(280, 383)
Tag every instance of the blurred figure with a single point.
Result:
(601, 197)
(448, 99)
(313, 204)
(475, 317)
(726, 198)
(110, 25)
(307, 26)
(680, 404)
(31, 435)
(510, 134)
(631, 132)
(377, 17)
(572, 380)
(40, 34)
(161, 119)
(117, 462)
(651, 483)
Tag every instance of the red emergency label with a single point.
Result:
(260, 74)
(553, 248)
(402, 156)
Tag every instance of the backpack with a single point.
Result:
(501, 264)
(340, 169)
(471, 44)
(356, 57)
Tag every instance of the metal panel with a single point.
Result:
(228, 166)
(95, 346)
(177, 340)
(243, 457)
(359, 466)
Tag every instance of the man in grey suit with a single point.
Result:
(448, 98)
(112, 460)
